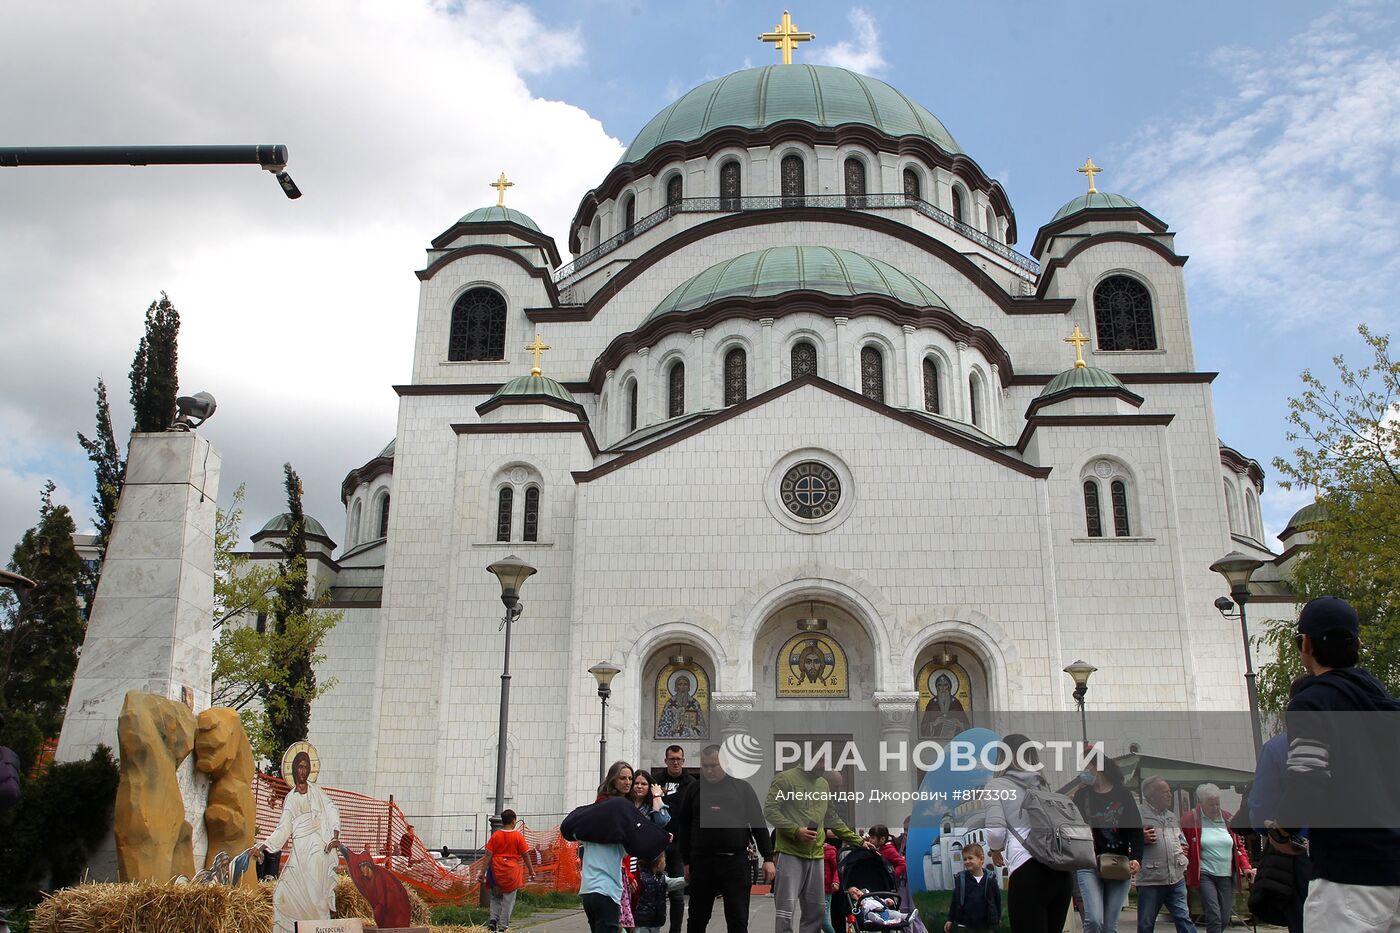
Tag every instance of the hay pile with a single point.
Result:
(143, 907)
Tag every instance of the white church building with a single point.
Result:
(808, 436)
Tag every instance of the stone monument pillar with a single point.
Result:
(152, 619)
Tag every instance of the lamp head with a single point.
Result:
(1080, 671)
(1237, 568)
(193, 410)
(512, 572)
(604, 672)
(21, 585)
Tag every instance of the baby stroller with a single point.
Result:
(865, 869)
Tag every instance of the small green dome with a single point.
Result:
(1096, 201)
(498, 215)
(1308, 514)
(780, 269)
(281, 524)
(1082, 377)
(817, 94)
(534, 385)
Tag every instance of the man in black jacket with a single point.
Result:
(719, 815)
(1343, 763)
(673, 781)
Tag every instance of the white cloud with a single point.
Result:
(1285, 194)
(297, 315)
(861, 54)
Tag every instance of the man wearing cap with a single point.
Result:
(1343, 779)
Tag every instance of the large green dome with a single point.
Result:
(817, 94)
(780, 269)
(494, 214)
(1097, 201)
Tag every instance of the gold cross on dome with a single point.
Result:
(500, 184)
(1090, 169)
(785, 37)
(537, 348)
(1078, 339)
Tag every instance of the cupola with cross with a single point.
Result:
(532, 398)
(499, 225)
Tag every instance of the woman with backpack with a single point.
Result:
(1111, 812)
(1038, 895)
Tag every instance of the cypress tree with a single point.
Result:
(42, 636)
(154, 370)
(109, 471)
(289, 705)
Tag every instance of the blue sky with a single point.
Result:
(1264, 135)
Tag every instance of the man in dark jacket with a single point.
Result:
(1342, 778)
(674, 780)
(719, 815)
(1265, 795)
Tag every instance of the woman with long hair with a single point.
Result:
(646, 797)
(1037, 895)
(1112, 814)
(601, 886)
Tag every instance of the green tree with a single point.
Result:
(42, 634)
(109, 471)
(154, 370)
(1348, 450)
(251, 656)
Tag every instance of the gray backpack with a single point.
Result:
(1057, 835)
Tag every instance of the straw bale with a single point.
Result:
(142, 907)
(350, 903)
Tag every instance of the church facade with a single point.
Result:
(807, 436)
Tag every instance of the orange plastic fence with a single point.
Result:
(379, 827)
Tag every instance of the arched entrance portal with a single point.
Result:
(951, 680)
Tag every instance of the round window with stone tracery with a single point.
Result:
(811, 490)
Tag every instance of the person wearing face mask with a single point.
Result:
(1111, 812)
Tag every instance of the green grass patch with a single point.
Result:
(526, 903)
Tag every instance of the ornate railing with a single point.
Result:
(1028, 268)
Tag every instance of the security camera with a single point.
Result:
(193, 410)
(1224, 604)
(288, 186)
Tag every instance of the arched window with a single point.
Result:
(478, 330)
(1232, 508)
(1251, 507)
(931, 385)
(532, 513)
(913, 187)
(872, 373)
(631, 406)
(1091, 509)
(855, 182)
(355, 523)
(730, 187)
(804, 359)
(675, 390)
(675, 189)
(1123, 315)
(597, 231)
(629, 216)
(736, 376)
(974, 399)
(504, 503)
(1119, 492)
(384, 516)
(794, 180)
(958, 210)
(991, 224)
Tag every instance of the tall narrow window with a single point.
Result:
(532, 513)
(629, 216)
(597, 231)
(957, 204)
(384, 516)
(631, 406)
(804, 359)
(992, 224)
(1091, 509)
(675, 189)
(504, 503)
(794, 180)
(355, 524)
(1123, 315)
(675, 390)
(730, 188)
(1119, 492)
(974, 400)
(931, 385)
(855, 182)
(478, 328)
(1232, 508)
(872, 373)
(736, 377)
(913, 188)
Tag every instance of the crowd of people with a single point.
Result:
(1338, 878)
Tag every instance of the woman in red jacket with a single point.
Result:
(1214, 856)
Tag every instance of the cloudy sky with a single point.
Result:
(1267, 142)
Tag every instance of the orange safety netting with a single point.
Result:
(379, 827)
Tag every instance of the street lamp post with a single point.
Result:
(21, 585)
(512, 572)
(1080, 671)
(604, 672)
(1237, 568)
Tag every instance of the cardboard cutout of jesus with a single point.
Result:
(306, 887)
